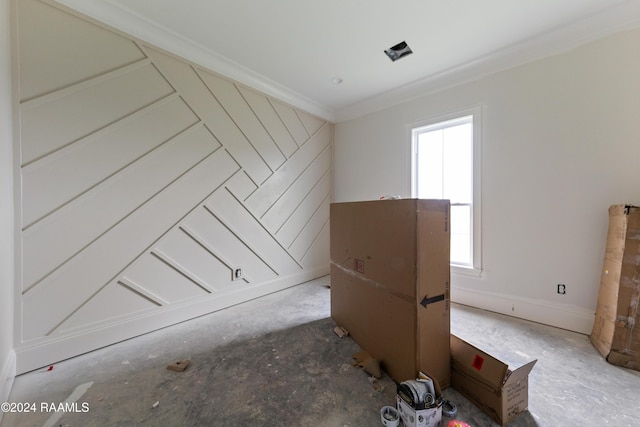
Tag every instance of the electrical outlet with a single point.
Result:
(562, 289)
(236, 273)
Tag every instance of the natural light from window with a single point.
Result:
(443, 169)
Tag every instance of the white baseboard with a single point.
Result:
(563, 316)
(34, 355)
(7, 375)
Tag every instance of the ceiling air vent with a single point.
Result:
(398, 51)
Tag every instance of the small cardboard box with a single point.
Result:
(390, 282)
(419, 415)
(500, 390)
(617, 312)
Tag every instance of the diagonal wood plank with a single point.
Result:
(59, 178)
(188, 83)
(54, 56)
(280, 212)
(292, 121)
(264, 197)
(99, 263)
(63, 234)
(269, 118)
(236, 107)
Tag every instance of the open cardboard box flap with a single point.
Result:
(513, 376)
(486, 368)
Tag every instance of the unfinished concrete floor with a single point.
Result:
(275, 361)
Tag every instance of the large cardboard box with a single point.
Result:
(499, 389)
(390, 282)
(615, 332)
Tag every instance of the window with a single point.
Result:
(445, 166)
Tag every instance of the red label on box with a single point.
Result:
(478, 362)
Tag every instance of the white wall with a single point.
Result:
(561, 142)
(145, 181)
(7, 356)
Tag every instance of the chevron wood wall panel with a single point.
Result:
(146, 181)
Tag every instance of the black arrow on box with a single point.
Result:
(426, 300)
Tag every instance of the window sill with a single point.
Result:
(466, 271)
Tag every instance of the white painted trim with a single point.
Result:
(563, 316)
(7, 375)
(466, 271)
(35, 355)
(476, 111)
(619, 18)
(143, 29)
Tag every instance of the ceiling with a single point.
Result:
(296, 49)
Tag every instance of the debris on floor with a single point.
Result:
(376, 385)
(368, 363)
(155, 405)
(340, 331)
(179, 366)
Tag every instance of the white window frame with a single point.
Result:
(475, 269)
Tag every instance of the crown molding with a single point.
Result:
(143, 29)
(616, 19)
